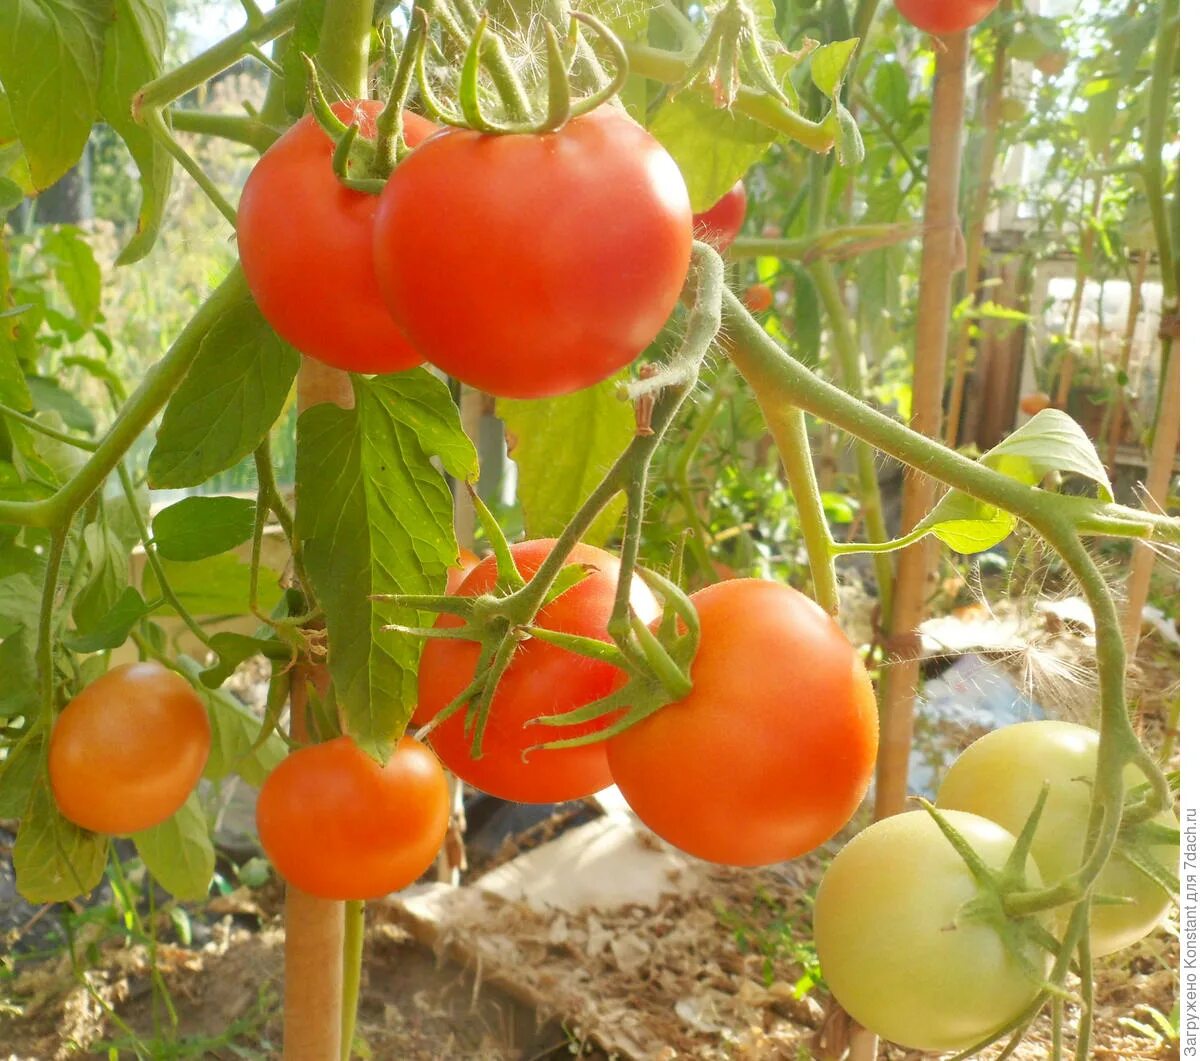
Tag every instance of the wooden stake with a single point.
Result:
(1116, 423)
(933, 318)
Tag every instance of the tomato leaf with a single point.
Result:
(217, 585)
(52, 115)
(1049, 442)
(233, 649)
(199, 527)
(19, 689)
(563, 447)
(228, 401)
(179, 852)
(108, 575)
(14, 391)
(54, 859)
(20, 588)
(18, 776)
(712, 148)
(829, 64)
(376, 516)
(133, 52)
(74, 264)
(48, 396)
(14, 166)
(235, 730)
(112, 629)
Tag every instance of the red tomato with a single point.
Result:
(305, 244)
(945, 16)
(721, 223)
(456, 574)
(1032, 404)
(128, 750)
(541, 680)
(758, 298)
(772, 751)
(338, 825)
(530, 266)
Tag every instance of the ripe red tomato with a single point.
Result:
(338, 825)
(772, 751)
(720, 224)
(945, 16)
(456, 574)
(758, 298)
(541, 680)
(530, 266)
(127, 751)
(305, 244)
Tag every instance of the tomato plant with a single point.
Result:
(758, 763)
(945, 16)
(543, 679)
(721, 222)
(1000, 776)
(568, 252)
(338, 825)
(456, 574)
(898, 946)
(128, 749)
(305, 243)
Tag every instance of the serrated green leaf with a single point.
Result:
(230, 398)
(233, 649)
(179, 852)
(107, 577)
(19, 772)
(829, 63)
(19, 688)
(133, 50)
(51, 58)
(112, 629)
(74, 265)
(377, 517)
(712, 148)
(217, 585)
(54, 859)
(563, 447)
(199, 527)
(234, 732)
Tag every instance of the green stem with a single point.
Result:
(43, 429)
(209, 63)
(352, 951)
(870, 497)
(851, 548)
(152, 558)
(1166, 51)
(268, 488)
(45, 641)
(789, 428)
(863, 100)
(343, 50)
(241, 129)
(671, 67)
(142, 407)
(154, 121)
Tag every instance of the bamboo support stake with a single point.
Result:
(1158, 485)
(993, 108)
(1087, 242)
(933, 317)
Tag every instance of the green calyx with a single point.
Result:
(731, 55)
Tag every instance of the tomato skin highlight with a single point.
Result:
(893, 947)
(772, 751)
(945, 16)
(535, 265)
(1000, 777)
(305, 245)
(337, 825)
(127, 751)
(541, 680)
(720, 224)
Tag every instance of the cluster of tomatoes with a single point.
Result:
(524, 265)
(893, 921)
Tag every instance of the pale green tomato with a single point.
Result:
(1000, 777)
(894, 949)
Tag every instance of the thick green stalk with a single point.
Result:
(343, 50)
(870, 497)
(221, 56)
(143, 405)
(240, 128)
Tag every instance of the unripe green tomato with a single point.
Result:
(1000, 777)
